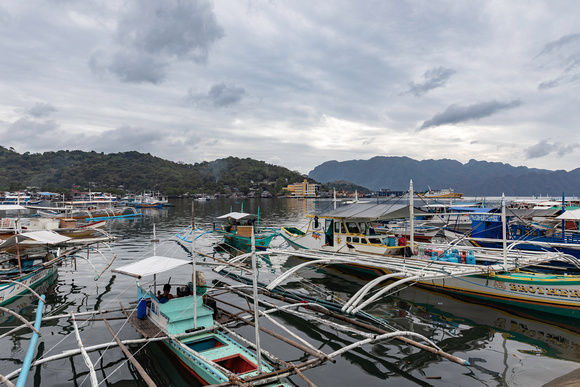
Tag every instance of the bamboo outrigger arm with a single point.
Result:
(288, 273)
(354, 308)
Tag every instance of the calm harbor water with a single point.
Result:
(505, 348)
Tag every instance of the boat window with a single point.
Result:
(534, 233)
(363, 240)
(348, 239)
(237, 364)
(355, 239)
(519, 231)
(337, 227)
(342, 229)
(205, 344)
(352, 227)
(376, 241)
(362, 227)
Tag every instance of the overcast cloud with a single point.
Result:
(294, 83)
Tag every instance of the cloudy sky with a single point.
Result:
(294, 83)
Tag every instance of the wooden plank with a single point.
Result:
(129, 355)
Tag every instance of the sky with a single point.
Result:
(294, 83)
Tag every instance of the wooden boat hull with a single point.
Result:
(244, 243)
(10, 291)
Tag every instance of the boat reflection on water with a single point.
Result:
(553, 336)
(453, 323)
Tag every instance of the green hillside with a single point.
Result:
(133, 172)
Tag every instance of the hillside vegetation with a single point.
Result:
(134, 172)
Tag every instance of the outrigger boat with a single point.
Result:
(188, 322)
(457, 270)
(238, 228)
(350, 228)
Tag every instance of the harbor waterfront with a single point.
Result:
(504, 347)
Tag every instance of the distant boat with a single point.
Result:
(236, 228)
(446, 193)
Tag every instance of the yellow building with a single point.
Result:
(303, 190)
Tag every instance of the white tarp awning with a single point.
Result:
(570, 215)
(11, 207)
(149, 266)
(237, 216)
(34, 238)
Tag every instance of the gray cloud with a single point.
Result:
(432, 79)
(152, 34)
(562, 42)
(544, 148)
(455, 114)
(184, 29)
(40, 110)
(219, 95)
(564, 54)
(26, 127)
(561, 80)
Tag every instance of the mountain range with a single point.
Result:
(475, 178)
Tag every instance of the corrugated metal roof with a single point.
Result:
(373, 211)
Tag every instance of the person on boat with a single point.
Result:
(166, 295)
(402, 240)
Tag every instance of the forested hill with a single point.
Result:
(475, 178)
(134, 172)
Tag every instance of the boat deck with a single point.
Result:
(149, 330)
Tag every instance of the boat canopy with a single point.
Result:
(529, 213)
(11, 207)
(149, 266)
(238, 216)
(570, 215)
(34, 237)
(374, 211)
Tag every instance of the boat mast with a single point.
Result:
(504, 230)
(411, 217)
(256, 303)
(193, 274)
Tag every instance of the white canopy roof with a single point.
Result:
(149, 266)
(237, 216)
(32, 238)
(11, 207)
(570, 215)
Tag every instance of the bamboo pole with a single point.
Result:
(284, 339)
(129, 355)
(93, 375)
(299, 373)
(7, 382)
(256, 303)
(32, 345)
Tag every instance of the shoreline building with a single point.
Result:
(303, 190)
